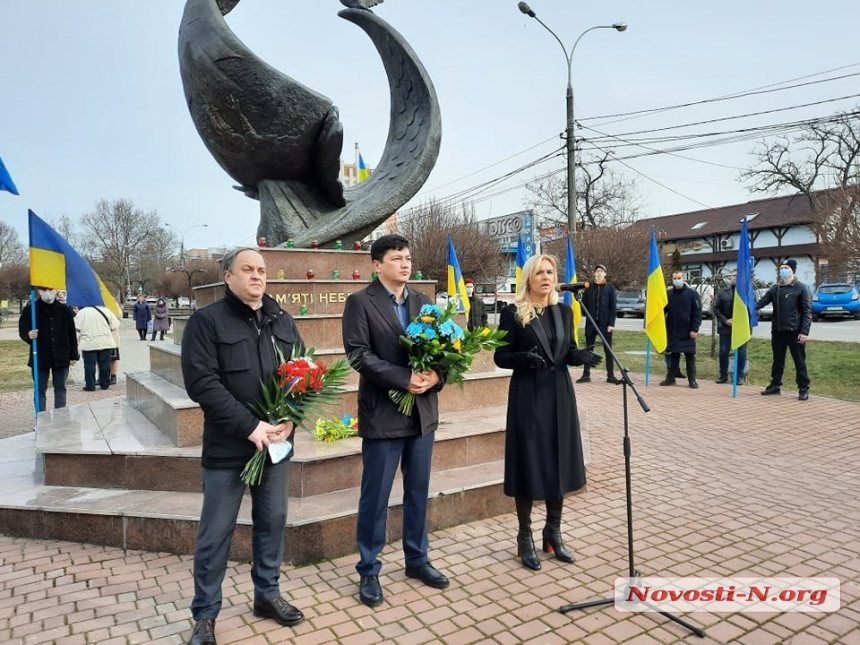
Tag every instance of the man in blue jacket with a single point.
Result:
(228, 349)
(792, 319)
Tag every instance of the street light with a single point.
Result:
(182, 250)
(569, 135)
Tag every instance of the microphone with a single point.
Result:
(573, 287)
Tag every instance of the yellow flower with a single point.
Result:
(457, 345)
(427, 319)
(485, 331)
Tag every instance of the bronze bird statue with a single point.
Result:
(282, 140)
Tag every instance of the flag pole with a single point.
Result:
(34, 347)
(647, 359)
(735, 374)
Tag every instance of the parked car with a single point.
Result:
(442, 298)
(630, 303)
(183, 301)
(766, 312)
(837, 299)
(706, 294)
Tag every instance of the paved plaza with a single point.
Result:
(756, 486)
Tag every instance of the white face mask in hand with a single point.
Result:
(280, 451)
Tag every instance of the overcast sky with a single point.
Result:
(91, 104)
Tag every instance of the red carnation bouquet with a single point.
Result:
(298, 388)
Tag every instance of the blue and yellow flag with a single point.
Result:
(363, 173)
(456, 284)
(744, 316)
(570, 276)
(521, 258)
(55, 264)
(6, 182)
(656, 299)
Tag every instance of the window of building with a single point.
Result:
(697, 226)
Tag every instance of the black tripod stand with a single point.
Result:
(633, 574)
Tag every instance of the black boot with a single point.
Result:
(691, 371)
(525, 541)
(552, 531)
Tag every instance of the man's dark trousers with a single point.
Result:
(60, 376)
(725, 351)
(222, 496)
(779, 342)
(100, 357)
(380, 458)
(590, 344)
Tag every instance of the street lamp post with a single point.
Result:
(182, 250)
(569, 133)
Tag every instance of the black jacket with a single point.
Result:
(600, 300)
(226, 355)
(724, 305)
(371, 333)
(57, 343)
(792, 307)
(683, 315)
(477, 313)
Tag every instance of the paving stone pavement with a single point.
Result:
(763, 486)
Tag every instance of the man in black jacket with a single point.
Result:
(57, 343)
(228, 349)
(724, 305)
(792, 319)
(477, 311)
(683, 320)
(373, 321)
(600, 300)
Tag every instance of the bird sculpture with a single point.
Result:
(281, 140)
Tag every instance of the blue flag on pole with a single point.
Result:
(456, 283)
(6, 182)
(570, 276)
(744, 316)
(521, 258)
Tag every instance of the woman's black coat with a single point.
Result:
(683, 315)
(543, 447)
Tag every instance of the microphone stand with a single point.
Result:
(633, 574)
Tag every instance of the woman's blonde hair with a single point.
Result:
(525, 308)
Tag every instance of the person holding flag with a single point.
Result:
(723, 308)
(600, 300)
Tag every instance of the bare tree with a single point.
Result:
(114, 233)
(826, 155)
(15, 282)
(604, 197)
(622, 250)
(427, 230)
(12, 251)
(180, 281)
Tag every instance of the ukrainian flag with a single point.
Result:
(744, 316)
(55, 264)
(6, 182)
(521, 258)
(570, 276)
(656, 299)
(456, 284)
(363, 173)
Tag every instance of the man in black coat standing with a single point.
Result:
(683, 319)
(792, 320)
(373, 321)
(229, 349)
(600, 300)
(57, 343)
(724, 305)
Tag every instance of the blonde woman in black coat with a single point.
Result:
(543, 448)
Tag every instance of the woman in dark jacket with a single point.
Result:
(162, 321)
(543, 447)
(142, 316)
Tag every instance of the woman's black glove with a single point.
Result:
(578, 357)
(530, 359)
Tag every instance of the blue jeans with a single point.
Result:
(380, 458)
(59, 382)
(222, 496)
(100, 357)
(725, 350)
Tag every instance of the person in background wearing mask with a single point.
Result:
(723, 308)
(57, 343)
(792, 318)
(477, 311)
(683, 319)
(599, 298)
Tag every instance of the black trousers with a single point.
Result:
(779, 342)
(590, 343)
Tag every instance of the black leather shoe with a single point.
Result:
(584, 379)
(694, 385)
(803, 395)
(612, 379)
(369, 591)
(771, 389)
(427, 574)
(667, 381)
(204, 632)
(278, 610)
(113, 379)
(723, 379)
